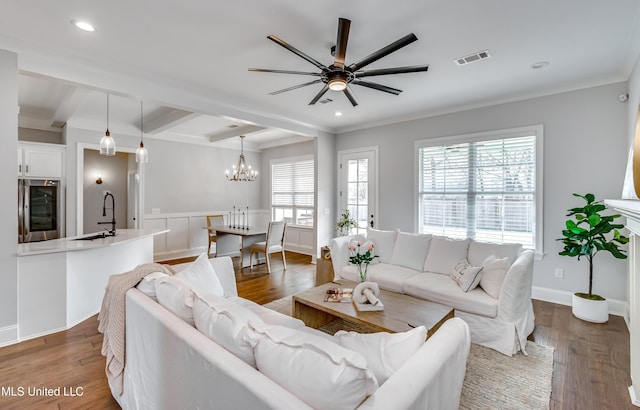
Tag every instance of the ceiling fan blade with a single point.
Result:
(295, 87)
(341, 42)
(396, 70)
(378, 87)
(352, 98)
(319, 95)
(266, 70)
(297, 52)
(396, 45)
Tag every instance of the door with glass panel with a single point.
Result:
(358, 186)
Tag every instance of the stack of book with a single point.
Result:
(343, 295)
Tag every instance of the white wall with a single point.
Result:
(187, 177)
(585, 150)
(9, 195)
(326, 189)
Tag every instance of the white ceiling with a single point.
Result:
(202, 51)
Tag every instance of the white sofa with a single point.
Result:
(170, 364)
(419, 265)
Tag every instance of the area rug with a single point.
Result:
(493, 380)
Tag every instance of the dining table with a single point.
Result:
(236, 241)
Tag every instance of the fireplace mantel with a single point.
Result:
(631, 209)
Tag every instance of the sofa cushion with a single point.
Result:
(494, 270)
(479, 251)
(466, 276)
(387, 276)
(148, 284)
(384, 242)
(385, 352)
(227, 323)
(410, 250)
(201, 276)
(444, 254)
(441, 289)
(320, 372)
(177, 296)
(268, 316)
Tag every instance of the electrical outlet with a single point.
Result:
(559, 273)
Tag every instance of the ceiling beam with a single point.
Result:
(73, 98)
(235, 132)
(166, 118)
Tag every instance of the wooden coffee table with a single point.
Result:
(401, 312)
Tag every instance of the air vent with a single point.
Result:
(233, 126)
(480, 55)
(325, 101)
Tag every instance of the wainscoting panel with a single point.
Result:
(187, 236)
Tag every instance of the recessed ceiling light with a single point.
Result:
(83, 25)
(338, 113)
(539, 65)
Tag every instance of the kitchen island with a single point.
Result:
(61, 282)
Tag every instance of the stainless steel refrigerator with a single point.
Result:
(38, 210)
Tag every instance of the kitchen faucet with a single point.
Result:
(112, 232)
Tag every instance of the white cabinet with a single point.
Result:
(40, 161)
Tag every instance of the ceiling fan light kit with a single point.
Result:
(338, 76)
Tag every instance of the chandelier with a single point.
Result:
(241, 172)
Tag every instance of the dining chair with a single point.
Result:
(212, 222)
(274, 243)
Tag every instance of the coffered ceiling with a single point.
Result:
(188, 60)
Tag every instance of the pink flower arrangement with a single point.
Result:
(359, 259)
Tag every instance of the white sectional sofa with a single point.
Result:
(499, 311)
(171, 364)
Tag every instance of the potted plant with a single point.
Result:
(345, 223)
(586, 234)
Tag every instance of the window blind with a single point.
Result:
(292, 188)
(480, 189)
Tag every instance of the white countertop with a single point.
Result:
(70, 244)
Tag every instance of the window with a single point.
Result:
(484, 186)
(292, 191)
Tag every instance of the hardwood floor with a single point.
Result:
(591, 362)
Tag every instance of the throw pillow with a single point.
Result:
(384, 352)
(383, 242)
(177, 297)
(466, 276)
(410, 250)
(201, 276)
(320, 372)
(479, 251)
(148, 284)
(494, 271)
(226, 322)
(444, 254)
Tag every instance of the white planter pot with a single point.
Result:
(596, 311)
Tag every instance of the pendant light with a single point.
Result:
(242, 172)
(107, 144)
(141, 153)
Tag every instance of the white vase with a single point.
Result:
(595, 311)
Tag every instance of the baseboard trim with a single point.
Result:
(8, 335)
(562, 297)
(634, 398)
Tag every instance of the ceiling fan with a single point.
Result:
(338, 76)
